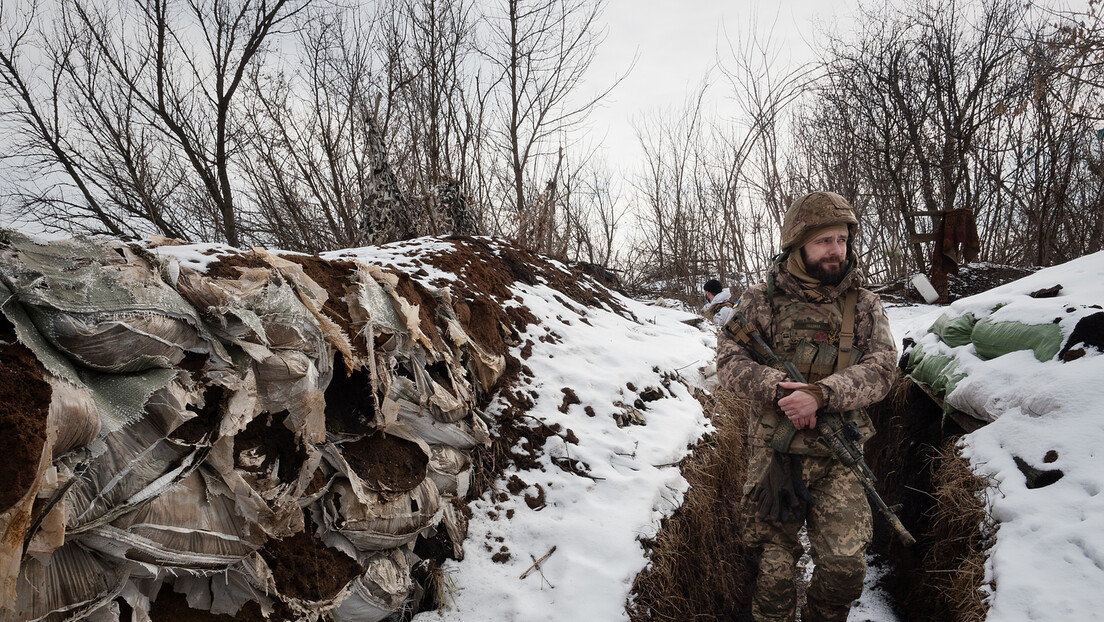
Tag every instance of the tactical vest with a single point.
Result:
(808, 334)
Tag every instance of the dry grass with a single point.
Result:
(699, 567)
(961, 531)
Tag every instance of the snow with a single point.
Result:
(1048, 559)
(594, 522)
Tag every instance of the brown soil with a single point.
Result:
(416, 294)
(569, 398)
(268, 435)
(336, 277)
(171, 606)
(387, 462)
(305, 568)
(226, 267)
(24, 406)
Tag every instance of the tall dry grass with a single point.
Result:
(699, 568)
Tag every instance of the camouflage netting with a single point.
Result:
(269, 437)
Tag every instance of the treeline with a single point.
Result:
(990, 105)
(312, 126)
(303, 124)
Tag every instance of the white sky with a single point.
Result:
(676, 44)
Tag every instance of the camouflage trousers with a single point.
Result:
(839, 527)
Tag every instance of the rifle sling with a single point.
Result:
(847, 330)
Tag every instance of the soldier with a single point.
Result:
(811, 298)
(719, 302)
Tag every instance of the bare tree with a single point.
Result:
(540, 51)
(135, 122)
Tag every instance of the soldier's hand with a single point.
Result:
(799, 406)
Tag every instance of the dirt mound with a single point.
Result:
(278, 390)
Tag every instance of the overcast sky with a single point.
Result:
(675, 43)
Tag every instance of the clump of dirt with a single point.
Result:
(264, 441)
(350, 407)
(699, 567)
(305, 568)
(569, 398)
(537, 501)
(521, 317)
(226, 267)
(386, 462)
(515, 485)
(24, 407)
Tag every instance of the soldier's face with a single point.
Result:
(826, 255)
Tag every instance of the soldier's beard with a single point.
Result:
(828, 273)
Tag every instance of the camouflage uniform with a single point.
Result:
(796, 320)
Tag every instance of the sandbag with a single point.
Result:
(954, 332)
(992, 339)
(103, 305)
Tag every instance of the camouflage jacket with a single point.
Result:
(866, 381)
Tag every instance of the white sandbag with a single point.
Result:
(190, 525)
(450, 469)
(73, 580)
(379, 593)
(372, 521)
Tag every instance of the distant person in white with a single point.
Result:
(720, 302)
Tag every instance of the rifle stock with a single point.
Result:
(832, 432)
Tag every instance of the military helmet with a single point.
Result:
(814, 211)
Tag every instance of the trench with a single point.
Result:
(699, 569)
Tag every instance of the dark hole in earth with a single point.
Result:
(350, 408)
(267, 438)
(1035, 477)
(206, 421)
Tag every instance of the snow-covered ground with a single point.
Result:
(1048, 560)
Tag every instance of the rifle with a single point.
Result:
(839, 438)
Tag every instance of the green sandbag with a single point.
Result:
(954, 332)
(930, 369)
(992, 339)
(915, 355)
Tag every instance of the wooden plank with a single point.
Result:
(964, 421)
(917, 238)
